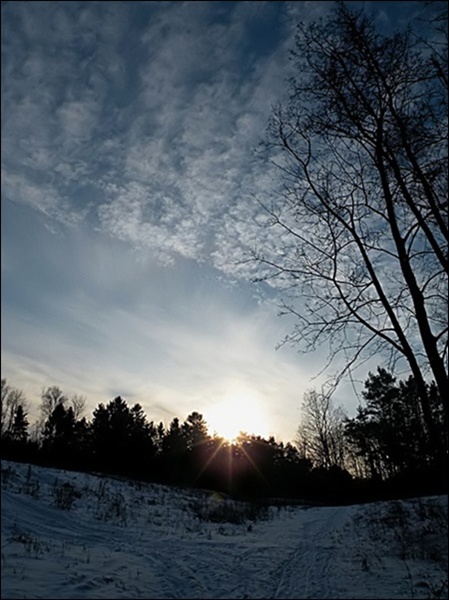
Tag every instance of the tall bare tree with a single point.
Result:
(12, 400)
(361, 224)
(78, 404)
(51, 397)
(320, 435)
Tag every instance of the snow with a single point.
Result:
(75, 535)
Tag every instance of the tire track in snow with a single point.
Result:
(306, 573)
(175, 577)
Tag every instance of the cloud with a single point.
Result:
(129, 128)
(53, 103)
(90, 315)
(157, 124)
(140, 119)
(42, 197)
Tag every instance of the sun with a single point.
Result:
(236, 413)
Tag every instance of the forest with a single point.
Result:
(384, 451)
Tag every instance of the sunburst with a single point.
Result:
(236, 413)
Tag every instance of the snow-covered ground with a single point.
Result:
(73, 535)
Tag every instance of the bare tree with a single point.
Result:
(11, 400)
(361, 221)
(78, 404)
(51, 397)
(321, 431)
(5, 389)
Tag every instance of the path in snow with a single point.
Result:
(308, 572)
(123, 540)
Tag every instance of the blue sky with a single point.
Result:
(128, 183)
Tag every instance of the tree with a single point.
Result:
(160, 434)
(50, 398)
(59, 434)
(19, 430)
(5, 389)
(320, 435)
(174, 442)
(78, 403)
(194, 430)
(14, 423)
(360, 227)
(389, 433)
(143, 441)
(111, 427)
(122, 439)
(12, 399)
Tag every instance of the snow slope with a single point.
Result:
(74, 535)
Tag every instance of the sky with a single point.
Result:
(129, 178)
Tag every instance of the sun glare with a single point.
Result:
(235, 414)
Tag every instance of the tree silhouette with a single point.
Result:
(360, 232)
(110, 435)
(122, 439)
(174, 454)
(11, 400)
(19, 429)
(50, 398)
(59, 435)
(320, 436)
(78, 404)
(389, 433)
(194, 430)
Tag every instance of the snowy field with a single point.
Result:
(73, 535)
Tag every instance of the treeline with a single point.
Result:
(387, 443)
(384, 451)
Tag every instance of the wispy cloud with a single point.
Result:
(129, 128)
(157, 125)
